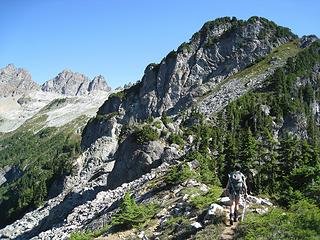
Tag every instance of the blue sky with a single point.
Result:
(119, 38)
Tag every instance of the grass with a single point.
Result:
(205, 200)
(210, 232)
(301, 221)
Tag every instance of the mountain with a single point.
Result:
(153, 161)
(75, 84)
(21, 98)
(15, 81)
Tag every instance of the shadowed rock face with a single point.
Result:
(75, 84)
(15, 81)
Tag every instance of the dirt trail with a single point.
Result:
(228, 232)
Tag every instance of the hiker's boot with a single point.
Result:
(231, 218)
(235, 219)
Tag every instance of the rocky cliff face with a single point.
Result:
(220, 49)
(75, 84)
(15, 81)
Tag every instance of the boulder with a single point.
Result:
(214, 210)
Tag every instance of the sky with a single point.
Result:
(119, 38)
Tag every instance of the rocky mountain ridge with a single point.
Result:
(75, 84)
(21, 98)
(220, 49)
(18, 81)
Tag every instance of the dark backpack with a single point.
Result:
(236, 181)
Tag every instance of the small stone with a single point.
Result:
(225, 201)
(204, 188)
(196, 225)
(185, 197)
(266, 202)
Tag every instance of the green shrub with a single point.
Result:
(178, 174)
(165, 119)
(132, 214)
(81, 236)
(207, 199)
(183, 46)
(157, 124)
(176, 139)
(302, 221)
(150, 119)
(164, 134)
(120, 94)
(146, 134)
(172, 54)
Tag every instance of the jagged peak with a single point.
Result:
(67, 73)
(10, 66)
(12, 69)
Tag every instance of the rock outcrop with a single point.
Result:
(75, 84)
(219, 50)
(15, 81)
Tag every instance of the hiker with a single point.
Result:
(236, 187)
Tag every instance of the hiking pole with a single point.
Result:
(244, 209)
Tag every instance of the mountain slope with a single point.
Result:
(171, 138)
(21, 98)
(220, 49)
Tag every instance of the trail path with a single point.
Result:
(228, 232)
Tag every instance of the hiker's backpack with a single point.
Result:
(236, 181)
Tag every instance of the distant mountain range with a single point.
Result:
(17, 81)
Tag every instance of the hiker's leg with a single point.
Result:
(237, 201)
(236, 207)
(232, 207)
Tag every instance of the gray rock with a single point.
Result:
(225, 201)
(203, 188)
(194, 164)
(67, 83)
(305, 41)
(253, 199)
(196, 225)
(261, 210)
(98, 84)
(133, 160)
(266, 202)
(15, 81)
(75, 84)
(214, 210)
